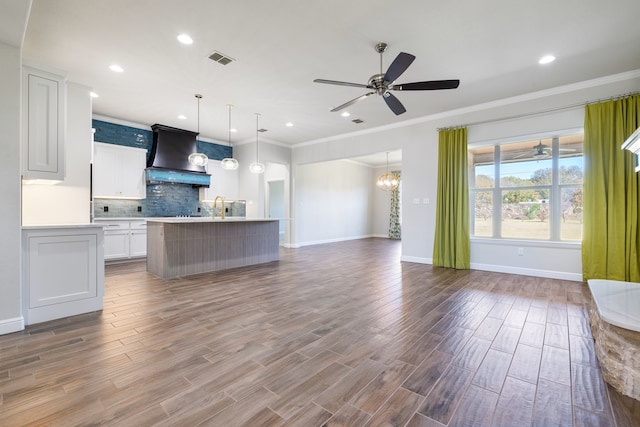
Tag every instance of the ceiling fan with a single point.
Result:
(541, 151)
(383, 83)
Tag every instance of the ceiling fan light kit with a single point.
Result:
(382, 83)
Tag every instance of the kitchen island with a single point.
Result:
(179, 247)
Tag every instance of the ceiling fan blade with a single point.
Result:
(394, 103)
(353, 101)
(428, 85)
(335, 82)
(398, 66)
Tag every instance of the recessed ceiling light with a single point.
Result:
(182, 117)
(289, 125)
(547, 59)
(94, 95)
(185, 39)
(345, 114)
(116, 68)
(234, 130)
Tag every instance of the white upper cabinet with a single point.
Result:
(118, 171)
(44, 121)
(223, 183)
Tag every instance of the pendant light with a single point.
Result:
(229, 163)
(198, 159)
(257, 167)
(388, 181)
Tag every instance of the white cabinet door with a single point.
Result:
(118, 171)
(131, 172)
(63, 272)
(138, 243)
(116, 244)
(138, 239)
(223, 183)
(105, 177)
(44, 112)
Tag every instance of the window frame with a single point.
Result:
(555, 189)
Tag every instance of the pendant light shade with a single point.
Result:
(388, 181)
(198, 159)
(229, 163)
(257, 167)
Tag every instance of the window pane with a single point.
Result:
(525, 214)
(571, 225)
(483, 175)
(483, 210)
(526, 163)
(570, 163)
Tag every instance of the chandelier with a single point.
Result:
(388, 181)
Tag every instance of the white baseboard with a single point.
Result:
(340, 239)
(562, 275)
(418, 260)
(8, 326)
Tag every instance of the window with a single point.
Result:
(528, 190)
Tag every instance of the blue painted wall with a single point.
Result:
(166, 199)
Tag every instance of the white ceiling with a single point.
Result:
(281, 46)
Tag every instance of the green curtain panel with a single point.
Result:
(394, 215)
(611, 242)
(452, 246)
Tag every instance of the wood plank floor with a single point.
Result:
(340, 334)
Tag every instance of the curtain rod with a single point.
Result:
(541, 112)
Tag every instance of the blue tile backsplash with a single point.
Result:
(163, 199)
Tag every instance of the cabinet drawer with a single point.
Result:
(114, 225)
(138, 225)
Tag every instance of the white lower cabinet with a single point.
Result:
(138, 239)
(124, 239)
(63, 271)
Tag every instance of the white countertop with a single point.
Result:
(59, 226)
(209, 219)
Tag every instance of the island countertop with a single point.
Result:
(199, 219)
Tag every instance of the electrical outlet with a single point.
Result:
(105, 209)
(416, 201)
(426, 201)
(199, 209)
(139, 208)
(520, 251)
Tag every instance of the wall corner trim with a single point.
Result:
(8, 326)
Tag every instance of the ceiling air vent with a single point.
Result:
(262, 130)
(357, 121)
(220, 58)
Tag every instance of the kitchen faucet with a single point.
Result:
(215, 202)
